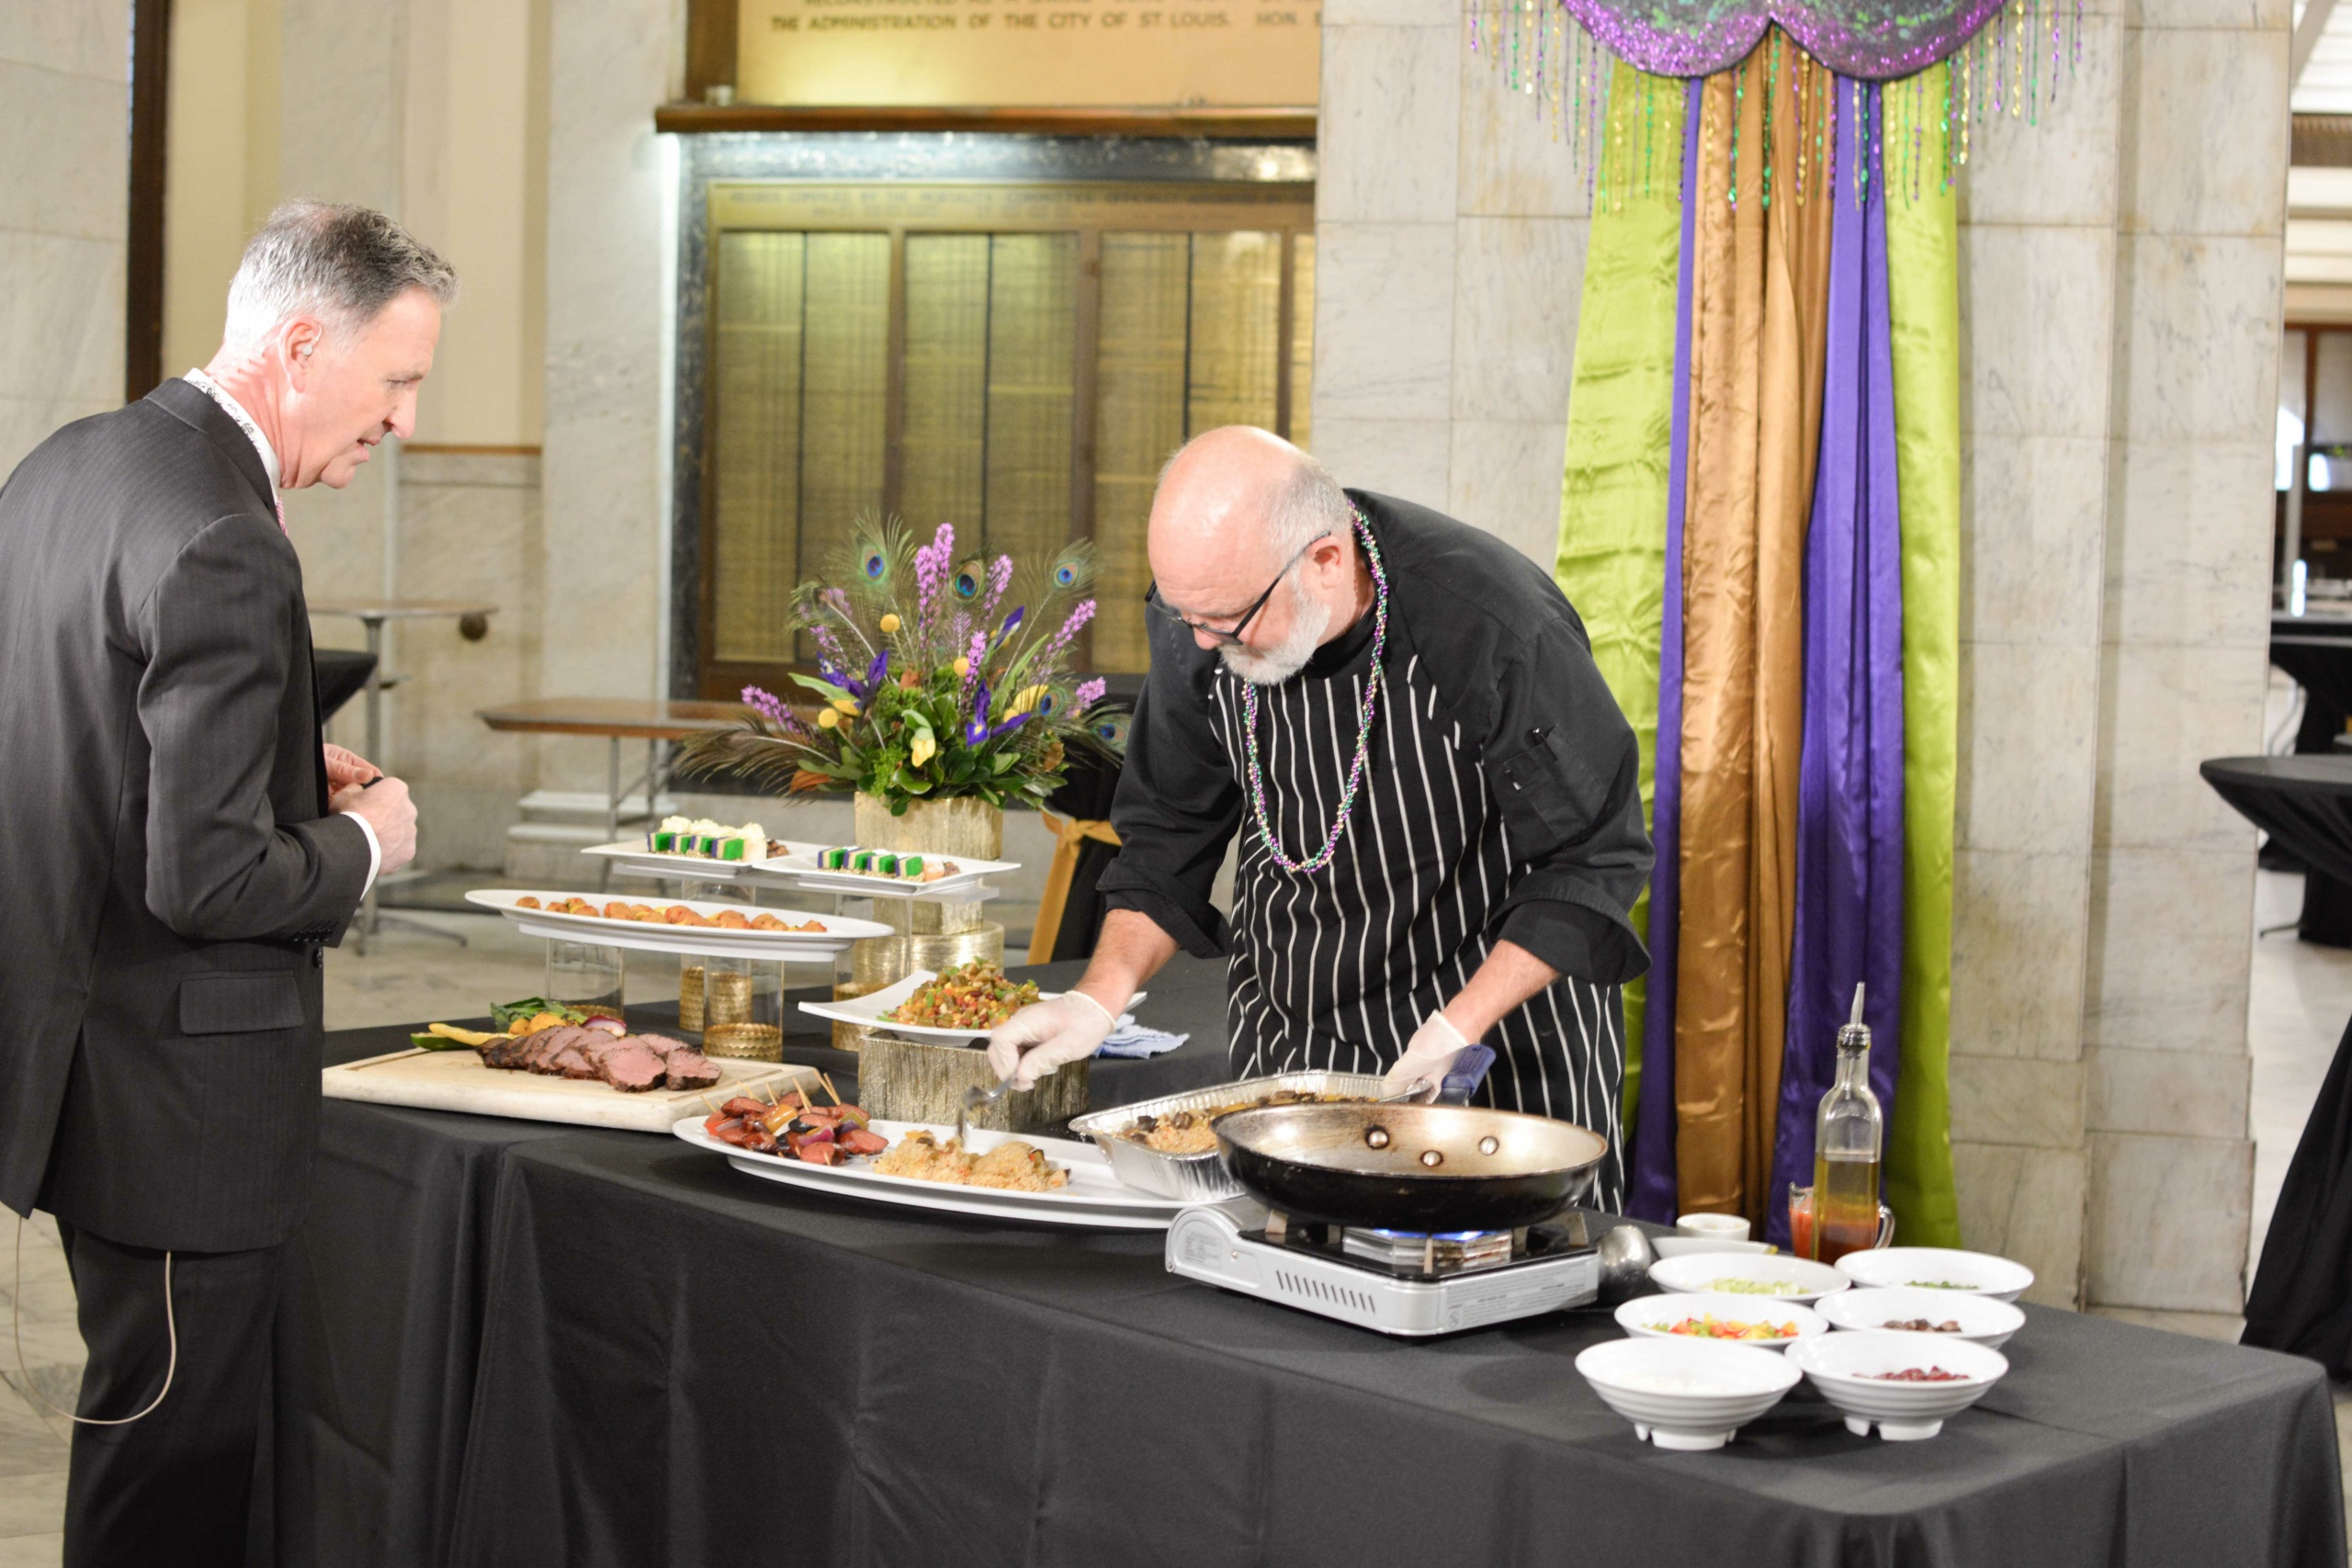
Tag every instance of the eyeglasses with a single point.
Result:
(1219, 636)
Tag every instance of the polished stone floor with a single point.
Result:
(2301, 997)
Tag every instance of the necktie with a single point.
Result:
(281, 511)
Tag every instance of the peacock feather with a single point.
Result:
(878, 568)
(971, 580)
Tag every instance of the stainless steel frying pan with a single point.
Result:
(1410, 1167)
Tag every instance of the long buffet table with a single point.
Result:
(510, 1343)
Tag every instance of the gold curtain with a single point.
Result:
(1759, 296)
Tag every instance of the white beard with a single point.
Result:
(1272, 667)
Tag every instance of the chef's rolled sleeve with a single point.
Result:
(1177, 805)
(1563, 762)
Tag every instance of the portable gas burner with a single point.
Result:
(1389, 1280)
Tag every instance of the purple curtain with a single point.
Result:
(1652, 1190)
(1850, 805)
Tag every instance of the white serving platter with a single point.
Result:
(457, 1081)
(1094, 1200)
(800, 865)
(645, 937)
(631, 858)
(866, 1011)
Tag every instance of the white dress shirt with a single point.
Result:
(236, 411)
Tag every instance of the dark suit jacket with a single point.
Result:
(167, 866)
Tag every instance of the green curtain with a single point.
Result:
(1923, 300)
(1613, 500)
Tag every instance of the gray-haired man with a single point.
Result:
(176, 848)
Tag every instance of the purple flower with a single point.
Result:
(976, 733)
(931, 568)
(770, 707)
(829, 653)
(1012, 621)
(975, 653)
(1078, 618)
(1000, 579)
(1091, 692)
(837, 598)
(1009, 725)
(874, 673)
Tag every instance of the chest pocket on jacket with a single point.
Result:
(1549, 795)
(240, 1004)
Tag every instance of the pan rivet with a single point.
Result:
(1432, 1159)
(1377, 1138)
(1490, 1144)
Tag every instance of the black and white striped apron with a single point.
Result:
(1337, 968)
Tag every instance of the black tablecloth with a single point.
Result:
(2304, 802)
(2301, 1299)
(519, 1343)
(677, 1351)
(342, 675)
(387, 1284)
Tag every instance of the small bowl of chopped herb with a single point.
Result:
(1773, 1277)
(1937, 1268)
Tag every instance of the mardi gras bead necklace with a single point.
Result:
(1322, 857)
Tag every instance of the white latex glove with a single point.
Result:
(1428, 1053)
(1045, 1035)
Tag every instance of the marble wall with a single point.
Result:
(63, 76)
(2121, 265)
(1448, 260)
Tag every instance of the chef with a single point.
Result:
(1438, 797)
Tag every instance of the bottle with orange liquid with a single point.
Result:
(1849, 1134)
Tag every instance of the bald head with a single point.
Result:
(1238, 511)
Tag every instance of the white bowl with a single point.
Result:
(1651, 1317)
(1911, 1268)
(1701, 1271)
(1984, 1320)
(1844, 1368)
(1687, 1395)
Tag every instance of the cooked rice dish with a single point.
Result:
(1011, 1167)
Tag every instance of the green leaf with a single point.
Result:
(815, 684)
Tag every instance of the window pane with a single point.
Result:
(847, 373)
(1236, 331)
(1033, 283)
(756, 445)
(942, 451)
(1138, 421)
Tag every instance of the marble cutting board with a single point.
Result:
(455, 1080)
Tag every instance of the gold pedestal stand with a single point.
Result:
(906, 1080)
(936, 934)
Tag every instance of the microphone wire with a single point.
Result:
(17, 1333)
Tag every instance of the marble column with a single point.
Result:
(63, 74)
(606, 535)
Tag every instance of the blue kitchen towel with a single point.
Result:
(1134, 1040)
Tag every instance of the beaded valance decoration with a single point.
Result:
(2008, 58)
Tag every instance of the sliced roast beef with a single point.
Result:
(688, 1068)
(508, 1052)
(661, 1044)
(629, 1064)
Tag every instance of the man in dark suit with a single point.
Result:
(176, 848)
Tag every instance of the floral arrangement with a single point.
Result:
(932, 686)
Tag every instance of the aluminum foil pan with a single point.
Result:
(1202, 1178)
